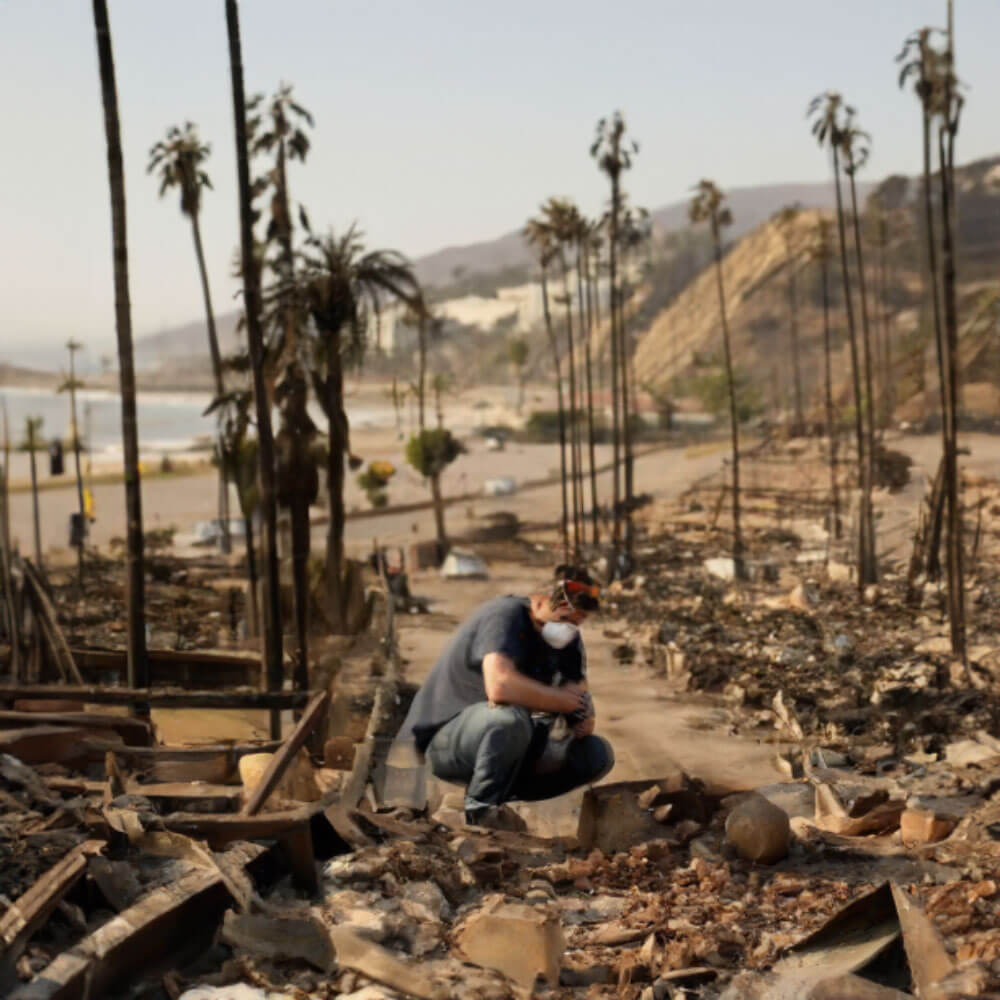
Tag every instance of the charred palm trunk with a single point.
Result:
(883, 352)
(138, 666)
(934, 549)
(739, 568)
(35, 514)
(273, 657)
(299, 514)
(627, 420)
(616, 496)
(337, 429)
(438, 499)
(855, 369)
(574, 455)
(252, 576)
(583, 268)
(831, 424)
(421, 373)
(554, 344)
(216, 355)
(870, 560)
(956, 584)
(75, 431)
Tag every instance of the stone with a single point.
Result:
(758, 830)
(599, 974)
(965, 752)
(377, 963)
(924, 826)
(302, 937)
(722, 567)
(428, 896)
(523, 942)
(298, 784)
(838, 572)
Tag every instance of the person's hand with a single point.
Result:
(577, 699)
(584, 728)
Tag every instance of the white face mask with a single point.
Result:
(559, 634)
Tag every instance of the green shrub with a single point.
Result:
(431, 451)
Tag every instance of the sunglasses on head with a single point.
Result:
(573, 591)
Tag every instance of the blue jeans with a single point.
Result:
(492, 748)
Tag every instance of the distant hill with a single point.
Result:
(186, 342)
(682, 341)
(26, 378)
(750, 206)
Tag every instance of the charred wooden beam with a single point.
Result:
(156, 697)
(30, 911)
(314, 712)
(170, 919)
(135, 732)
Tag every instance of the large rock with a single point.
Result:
(522, 942)
(758, 830)
(924, 826)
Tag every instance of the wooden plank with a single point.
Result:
(47, 614)
(204, 668)
(45, 744)
(30, 911)
(157, 697)
(298, 847)
(215, 764)
(220, 830)
(181, 795)
(929, 961)
(135, 732)
(176, 916)
(315, 711)
(207, 668)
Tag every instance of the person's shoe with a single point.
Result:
(496, 818)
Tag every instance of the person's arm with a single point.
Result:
(506, 685)
(574, 666)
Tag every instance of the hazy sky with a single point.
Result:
(438, 122)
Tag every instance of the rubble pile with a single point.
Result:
(871, 672)
(190, 604)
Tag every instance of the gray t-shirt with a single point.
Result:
(502, 625)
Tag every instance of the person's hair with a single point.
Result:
(576, 587)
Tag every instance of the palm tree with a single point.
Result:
(540, 237)
(613, 152)
(180, 159)
(584, 292)
(828, 111)
(787, 218)
(950, 111)
(342, 285)
(517, 355)
(855, 146)
(591, 243)
(298, 487)
(138, 664)
(273, 656)
(634, 233)
(563, 218)
(709, 205)
(283, 134)
(822, 253)
(924, 67)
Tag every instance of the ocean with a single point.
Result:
(168, 422)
